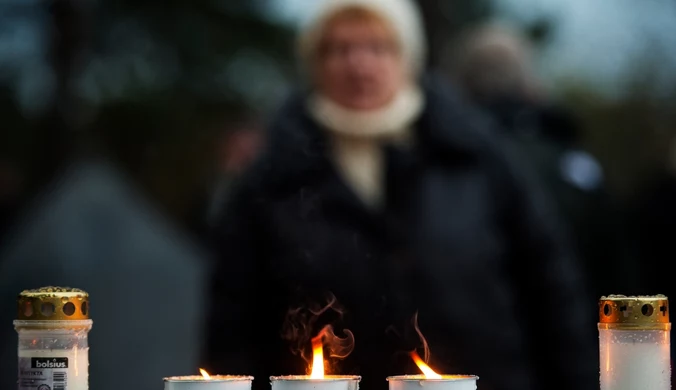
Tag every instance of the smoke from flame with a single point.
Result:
(422, 363)
(298, 329)
(426, 347)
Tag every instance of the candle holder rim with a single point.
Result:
(444, 378)
(326, 378)
(214, 378)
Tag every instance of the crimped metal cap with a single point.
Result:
(53, 304)
(641, 312)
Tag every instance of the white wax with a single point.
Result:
(635, 359)
(329, 382)
(77, 373)
(419, 382)
(217, 382)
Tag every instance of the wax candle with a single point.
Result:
(443, 382)
(53, 323)
(430, 380)
(634, 343)
(208, 382)
(304, 382)
(317, 380)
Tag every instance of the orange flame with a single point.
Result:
(317, 357)
(429, 373)
(337, 347)
(205, 374)
(298, 329)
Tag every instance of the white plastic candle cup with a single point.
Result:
(215, 382)
(52, 325)
(420, 382)
(634, 343)
(302, 382)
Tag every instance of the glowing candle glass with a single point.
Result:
(430, 380)
(634, 343)
(208, 382)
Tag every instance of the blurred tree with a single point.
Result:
(166, 75)
(37, 148)
(153, 82)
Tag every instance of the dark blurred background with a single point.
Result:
(126, 119)
(156, 86)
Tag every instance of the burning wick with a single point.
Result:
(317, 379)
(205, 374)
(317, 357)
(429, 373)
(337, 348)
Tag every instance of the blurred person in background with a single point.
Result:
(378, 186)
(653, 224)
(10, 193)
(493, 65)
(236, 150)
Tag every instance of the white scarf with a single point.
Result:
(358, 136)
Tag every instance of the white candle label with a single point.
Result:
(43, 373)
(53, 370)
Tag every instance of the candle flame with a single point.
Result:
(336, 348)
(317, 358)
(426, 370)
(205, 374)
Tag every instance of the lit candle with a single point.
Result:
(430, 380)
(634, 343)
(208, 382)
(317, 380)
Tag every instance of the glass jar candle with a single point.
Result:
(53, 323)
(634, 343)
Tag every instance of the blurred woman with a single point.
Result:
(377, 186)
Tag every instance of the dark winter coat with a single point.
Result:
(550, 137)
(465, 239)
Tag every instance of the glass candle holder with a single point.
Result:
(634, 343)
(53, 324)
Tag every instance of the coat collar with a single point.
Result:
(297, 148)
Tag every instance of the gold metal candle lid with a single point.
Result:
(642, 312)
(53, 304)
